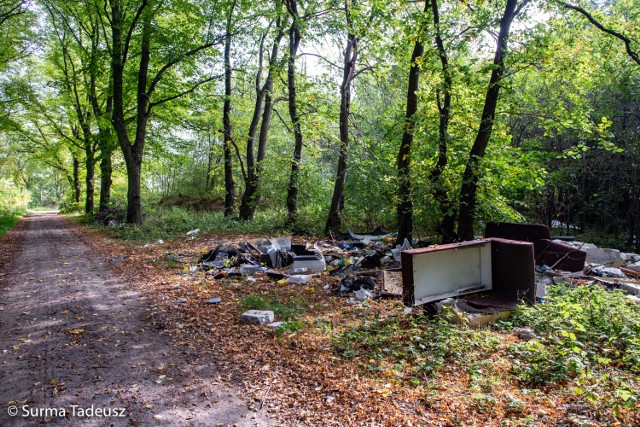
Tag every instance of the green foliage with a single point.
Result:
(416, 344)
(71, 207)
(7, 223)
(13, 199)
(561, 141)
(283, 310)
(166, 223)
(581, 329)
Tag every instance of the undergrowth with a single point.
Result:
(580, 328)
(7, 223)
(586, 344)
(587, 338)
(167, 223)
(414, 347)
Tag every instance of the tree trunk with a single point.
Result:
(90, 164)
(106, 170)
(440, 195)
(294, 43)
(229, 185)
(132, 153)
(246, 211)
(254, 166)
(250, 198)
(404, 210)
(350, 55)
(77, 188)
(471, 176)
(134, 200)
(209, 182)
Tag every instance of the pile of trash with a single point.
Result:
(604, 266)
(361, 264)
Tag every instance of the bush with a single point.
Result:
(13, 200)
(581, 328)
(7, 223)
(414, 343)
(68, 207)
(110, 216)
(166, 223)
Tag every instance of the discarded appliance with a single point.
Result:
(554, 254)
(503, 268)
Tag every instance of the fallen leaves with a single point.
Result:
(297, 377)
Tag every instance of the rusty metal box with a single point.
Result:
(498, 266)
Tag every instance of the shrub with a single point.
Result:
(580, 328)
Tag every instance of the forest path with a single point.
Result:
(75, 338)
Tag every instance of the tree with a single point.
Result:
(471, 176)
(264, 94)
(295, 36)
(359, 20)
(443, 99)
(127, 22)
(229, 186)
(404, 208)
(72, 66)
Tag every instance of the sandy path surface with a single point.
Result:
(75, 341)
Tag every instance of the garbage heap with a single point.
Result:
(363, 265)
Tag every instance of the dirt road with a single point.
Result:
(77, 348)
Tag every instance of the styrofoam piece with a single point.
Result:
(300, 279)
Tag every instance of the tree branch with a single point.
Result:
(181, 94)
(625, 39)
(176, 60)
(134, 23)
(18, 9)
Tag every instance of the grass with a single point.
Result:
(168, 223)
(7, 223)
(283, 310)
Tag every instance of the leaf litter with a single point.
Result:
(298, 376)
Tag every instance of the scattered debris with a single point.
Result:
(275, 325)
(312, 260)
(249, 269)
(474, 312)
(300, 279)
(554, 253)
(116, 259)
(214, 301)
(257, 317)
(485, 277)
(377, 234)
(602, 271)
(362, 294)
(596, 255)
